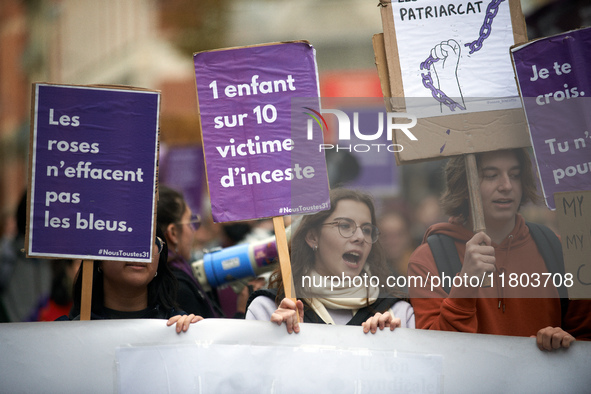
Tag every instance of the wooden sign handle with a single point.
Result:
(86, 301)
(284, 260)
(476, 210)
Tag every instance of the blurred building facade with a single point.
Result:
(111, 42)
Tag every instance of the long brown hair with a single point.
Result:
(454, 200)
(302, 256)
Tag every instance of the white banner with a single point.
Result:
(225, 355)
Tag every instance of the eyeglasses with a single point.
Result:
(348, 227)
(160, 244)
(194, 221)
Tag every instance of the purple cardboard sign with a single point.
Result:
(173, 173)
(261, 159)
(93, 173)
(378, 173)
(553, 77)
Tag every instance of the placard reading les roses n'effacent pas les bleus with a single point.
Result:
(92, 172)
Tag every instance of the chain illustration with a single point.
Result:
(437, 94)
(476, 45)
(491, 12)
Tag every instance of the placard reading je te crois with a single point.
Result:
(553, 76)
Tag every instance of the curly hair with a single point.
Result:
(454, 200)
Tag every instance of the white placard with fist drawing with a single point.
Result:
(454, 56)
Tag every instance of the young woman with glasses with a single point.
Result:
(134, 290)
(339, 272)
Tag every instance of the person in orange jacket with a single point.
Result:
(503, 254)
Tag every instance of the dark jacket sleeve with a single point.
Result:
(190, 299)
(577, 320)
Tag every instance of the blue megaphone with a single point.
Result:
(239, 261)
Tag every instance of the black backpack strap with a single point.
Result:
(309, 315)
(312, 317)
(446, 257)
(551, 250)
(380, 305)
(269, 293)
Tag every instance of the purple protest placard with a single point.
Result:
(553, 77)
(378, 173)
(92, 172)
(174, 162)
(255, 103)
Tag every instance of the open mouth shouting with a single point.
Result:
(352, 258)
